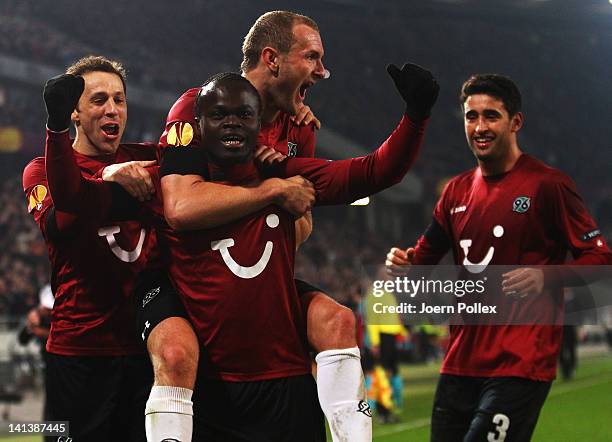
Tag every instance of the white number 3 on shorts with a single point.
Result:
(503, 423)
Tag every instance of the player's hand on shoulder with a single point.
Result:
(305, 116)
(418, 88)
(267, 156)
(133, 177)
(61, 96)
(296, 194)
(399, 260)
(523, 282)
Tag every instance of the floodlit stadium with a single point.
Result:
(558, 52)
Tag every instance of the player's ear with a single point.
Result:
(517, 122)
(74, 116)
(270, 59)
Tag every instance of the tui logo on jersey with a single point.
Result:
(123, 255)
(291, 149)
(180, 134)
(521, 204)
(479, 267)
(37, 196)
(223, 246)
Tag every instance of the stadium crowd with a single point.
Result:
(348, 244)
(23, 263)
(50, 36)
(44, 33)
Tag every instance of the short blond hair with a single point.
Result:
(273, 29)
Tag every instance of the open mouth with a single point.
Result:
(111, 129)
(232, 140)
(303, 88)
(482, 142)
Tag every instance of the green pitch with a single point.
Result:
(579, 410)
(21, 439)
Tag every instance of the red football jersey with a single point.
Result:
(94, 263)
(531, 215)
(284, 136)
(237, 282)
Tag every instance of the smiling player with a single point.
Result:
(282, 57)
(236, 281)
(516, 210)
(97, 373)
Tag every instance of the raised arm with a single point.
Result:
(343, 181)
(72, 193)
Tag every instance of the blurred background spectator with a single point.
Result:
(559, 53)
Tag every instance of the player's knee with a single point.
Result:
(339, 330)
(176, 365)
(174, 352)
(344, 321)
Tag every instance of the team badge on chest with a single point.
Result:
(521, 204)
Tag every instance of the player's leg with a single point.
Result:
(508, 410)
(173, 348)
(174, 351)
(136, 380)
(274, 410)
(83, 390)
(455, 400)
(340, 383)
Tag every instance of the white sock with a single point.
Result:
(168, 414)
(342, 395)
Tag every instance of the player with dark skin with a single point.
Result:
(226, 120)
(394, 157)
(96, 101)
(281, 76)
(173, 346)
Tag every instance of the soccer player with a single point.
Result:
(270, 368)
(98, 374)
(241, 274)
(495, 379)
(78, 220)
(282, 58)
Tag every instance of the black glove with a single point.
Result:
(61, 96)
(418, 88)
